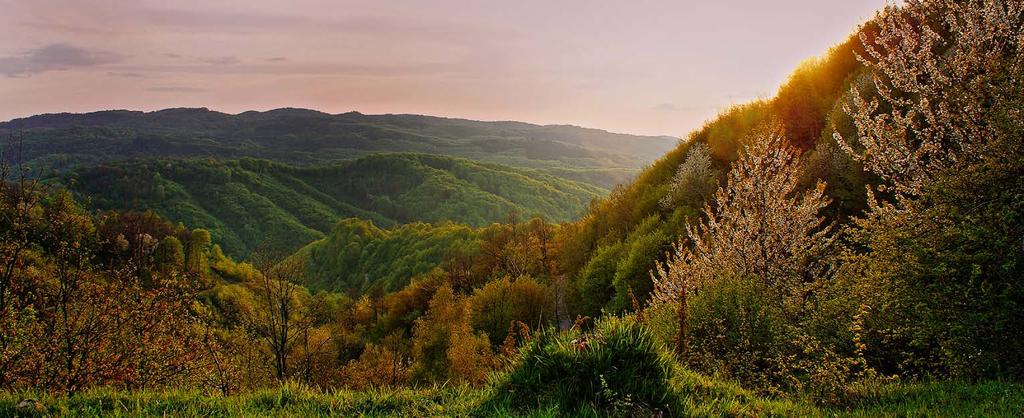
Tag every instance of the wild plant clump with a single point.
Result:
(617, 368)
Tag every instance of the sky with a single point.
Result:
(642, 67)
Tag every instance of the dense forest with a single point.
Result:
(851, 246)
(248, 203)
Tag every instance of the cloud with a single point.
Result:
(172, 55)
(297, 68)
(205, 20)
(225, 60)
(115, 18)
(54, 57)
(125, 74)
(277, 59)
(666, 107)
(176, 89)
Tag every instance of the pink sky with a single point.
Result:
(628, 66)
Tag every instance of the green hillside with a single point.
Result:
(618, 242)
(247, 203)
(357, 254)
(298, 136)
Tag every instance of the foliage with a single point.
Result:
(358, 256)
(760, 227)
(617, 368)
(922, 282)
(248, 203)
(279, 318)
(934, 65)
(935, 262)
(84, 301)
(380, 365)
(695, 180)
(500, 303)
(445, 345)
(595, 285)
(632, 280)
(808, 108)
(941, 275)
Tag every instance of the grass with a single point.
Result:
(698, 395)
(944, 398)
(289, 400)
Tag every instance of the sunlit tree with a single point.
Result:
(760, 226)
(279, 318)
(694, 181)
(934, 65)
(937, 268)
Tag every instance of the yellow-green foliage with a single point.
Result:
(445, 346)
(357, 254)
(249, 203)
(500, 302)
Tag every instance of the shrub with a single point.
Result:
(735, 330)
(616, 369)
(739, 330)
(499, 303)
(595, 282)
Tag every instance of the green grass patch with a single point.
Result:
(694, 394)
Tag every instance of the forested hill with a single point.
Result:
(615, 246)
(248, 202)
(299, 136)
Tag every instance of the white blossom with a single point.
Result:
(695, 179)
(759, 226)
(933, 63)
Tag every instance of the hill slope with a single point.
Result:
(616, 244)
(245, 203)
(301, 136)
(356, 254)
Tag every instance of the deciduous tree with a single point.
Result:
(760, 226)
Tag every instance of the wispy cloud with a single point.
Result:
(390, 27)
(287, 68)
(54, 57)
(125, 74)
(176, 89)
(224, 60)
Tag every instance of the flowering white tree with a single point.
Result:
(760, 226)
(939, 121)
(695, 180)
(933, 65)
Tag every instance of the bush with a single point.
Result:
(617, 369)
(739, 330)
(595, 282)
(499, 303)
(735, 330)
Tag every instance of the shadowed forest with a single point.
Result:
(852, 246)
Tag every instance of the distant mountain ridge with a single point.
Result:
(302, 136)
